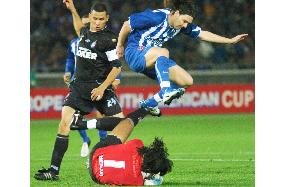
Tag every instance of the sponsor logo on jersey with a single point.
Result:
(93, 45)
(101, 165)
(86, 53)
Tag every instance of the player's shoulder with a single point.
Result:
(157, 16)
(160, 14)
(110, 37)
(109, 32)
(136, 143)
(162, 11)
(85, 29)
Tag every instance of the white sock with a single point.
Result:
(165, 84)
(158, 98)
(92, 124)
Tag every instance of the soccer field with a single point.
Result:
(207, 150)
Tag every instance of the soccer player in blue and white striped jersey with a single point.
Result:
(147, 32)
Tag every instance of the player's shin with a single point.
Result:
(106, 123)
(162, 71)
(137, 115)
(84, 136)
(60, 147)
(109, 123)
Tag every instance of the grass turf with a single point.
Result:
(207, 150)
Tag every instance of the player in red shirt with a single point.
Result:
(114, 162)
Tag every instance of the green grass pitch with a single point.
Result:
(207, 150)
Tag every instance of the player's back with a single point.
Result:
(118, 164)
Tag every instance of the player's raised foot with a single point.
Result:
(151, 107)
(46, 174)
(78, 122)
(171, 94)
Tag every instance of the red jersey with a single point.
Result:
(119, 164)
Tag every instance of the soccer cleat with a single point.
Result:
(46, 174)
(78, 123)
(152, 109)
(85, 149)
(171, 94)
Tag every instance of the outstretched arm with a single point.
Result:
(123, 34)
(77, 22)
(211, 37)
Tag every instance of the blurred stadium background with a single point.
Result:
(223, 84)
(52, 29)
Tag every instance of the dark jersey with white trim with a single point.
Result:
(96, 55)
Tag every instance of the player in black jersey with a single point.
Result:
(97, 67)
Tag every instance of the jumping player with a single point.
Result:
(114, 162)
(147, 31)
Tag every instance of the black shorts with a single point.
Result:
(79, 98)
(109, 140)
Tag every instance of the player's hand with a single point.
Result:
(97, 93)
(69, 4)
(66, 77)
(119, 51)
(238, 38)
(115, 84)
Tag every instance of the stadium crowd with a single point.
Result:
(51, 30)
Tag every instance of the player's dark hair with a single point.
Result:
(99, 7)
(155, 158)
(183, 6)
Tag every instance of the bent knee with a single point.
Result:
(64, 127)
(188, 82)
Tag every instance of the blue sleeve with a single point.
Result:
(146, 19)
(191, 30)
(70, 61)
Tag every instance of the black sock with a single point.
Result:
(137, 115)
(59, 149)
(108, 123)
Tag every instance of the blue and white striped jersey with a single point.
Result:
(151, 28)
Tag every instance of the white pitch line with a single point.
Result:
(215, 153)
(210, 160)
